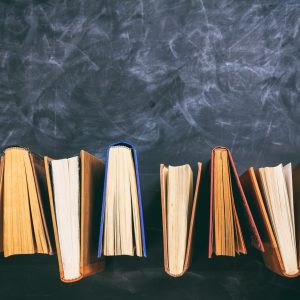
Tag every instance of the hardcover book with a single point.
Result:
(25, 222)
(228, 207)
(75, 188)
(122, 224)
(178, 203)
(274, 194)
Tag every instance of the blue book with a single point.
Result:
(135, 160)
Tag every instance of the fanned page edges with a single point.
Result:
(271, 256)
(87, 267)
(41, 187)
(188, 254)
(255, 236)
(36, 186)
(252, 229)
(135, 158)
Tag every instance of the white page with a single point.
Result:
(179, 198)
(66, 186)
(118, 222)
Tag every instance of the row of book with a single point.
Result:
(83, 209)
(54, 205)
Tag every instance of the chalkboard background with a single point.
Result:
(176, 78)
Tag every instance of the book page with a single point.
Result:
(122, 224)
(35, 209)
(135, 206)
(179, 204)
(66, 190)
(287, 172)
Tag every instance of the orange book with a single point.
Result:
(228, 205)
(25, 221)
(261, 201)
(75, 187)
(178, 202)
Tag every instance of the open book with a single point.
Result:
(271, 193)
(178, 202)
(227, 206)
(122, 226)
(75, 186)
(25, 221)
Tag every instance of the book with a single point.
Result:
(273, 194)
(178, 202)
(75, 187)
(122, 225)
(24, 214)
(25, 221)
(228, 205)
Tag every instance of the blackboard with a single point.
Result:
(175, 78)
